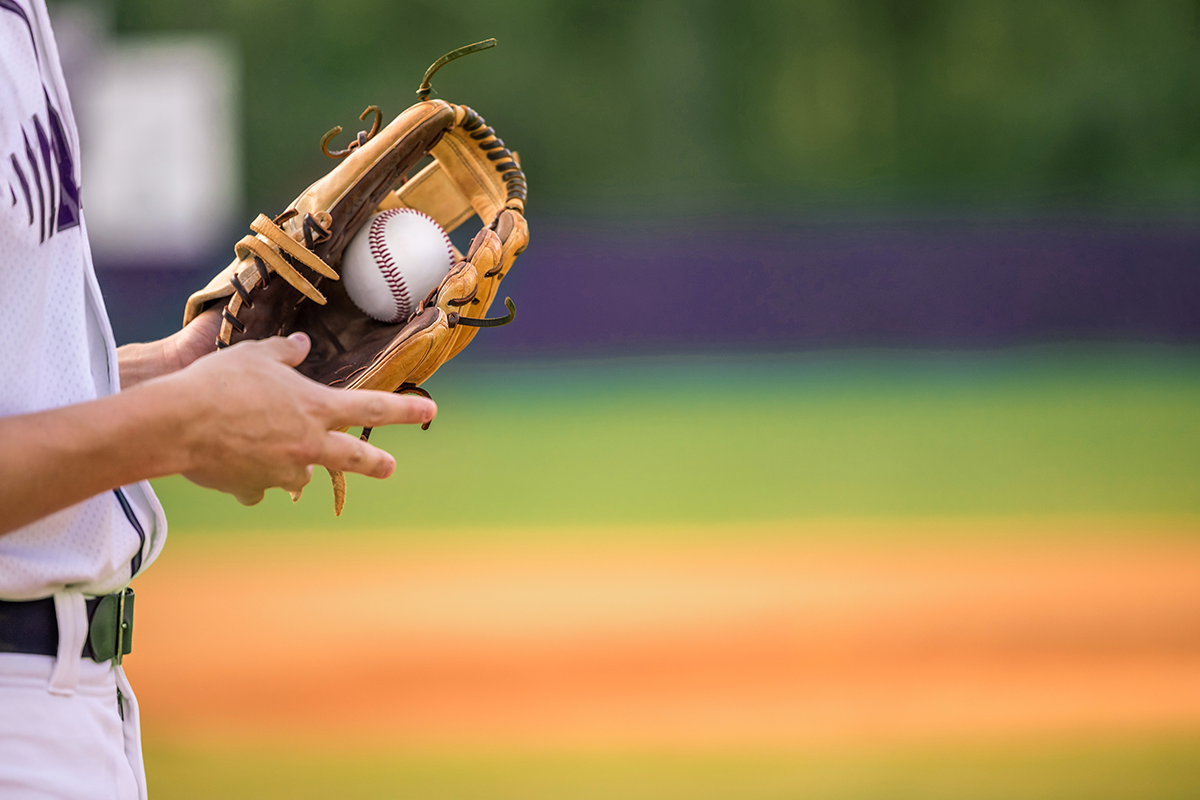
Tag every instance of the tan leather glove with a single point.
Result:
(284, 277)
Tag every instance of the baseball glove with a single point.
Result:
(284, 277)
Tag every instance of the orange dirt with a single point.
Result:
(1061, 627)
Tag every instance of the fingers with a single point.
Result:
(250, 497)
(303, 416)
(206, 324)
(202, 333)
(372, 409)
(350, 454)
(298, 481)
(343, 409)
(290, 350)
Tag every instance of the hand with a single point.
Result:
(198, 338)
(141, 362)
(254, 423)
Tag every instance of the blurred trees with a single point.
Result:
(701, 103)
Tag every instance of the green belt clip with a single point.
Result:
(111, 630)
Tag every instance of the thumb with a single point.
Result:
(291, 350)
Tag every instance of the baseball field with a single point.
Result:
(846, 575)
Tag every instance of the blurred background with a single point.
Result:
(845, 444)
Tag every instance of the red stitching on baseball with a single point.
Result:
(387, 266)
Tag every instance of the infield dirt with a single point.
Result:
(755, 636)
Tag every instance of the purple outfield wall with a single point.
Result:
(611, 288)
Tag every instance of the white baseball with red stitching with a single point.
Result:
(394, 261)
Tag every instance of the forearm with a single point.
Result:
(57, 458)
(54, 459)
(240, 421)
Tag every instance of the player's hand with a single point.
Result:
(198, 338)
(255, 423)
(142, 362)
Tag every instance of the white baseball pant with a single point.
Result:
(61, 733)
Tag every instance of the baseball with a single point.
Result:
(394, 261)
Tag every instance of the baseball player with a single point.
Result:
(83, 424)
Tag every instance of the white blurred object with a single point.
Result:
(161, 165)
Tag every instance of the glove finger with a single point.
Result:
(348, 453)
(373, 409)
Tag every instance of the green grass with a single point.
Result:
(1162, 768)
(1043, 430)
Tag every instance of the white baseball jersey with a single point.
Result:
(57, 345)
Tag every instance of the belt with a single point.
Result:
(31, 626)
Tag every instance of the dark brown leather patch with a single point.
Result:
(478, 240)
(505, 226)
(332, 363)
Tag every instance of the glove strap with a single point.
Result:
(453, 319)
(424, 89)
(279, 261)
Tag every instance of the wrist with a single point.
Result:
(171, 358)
(144, 361)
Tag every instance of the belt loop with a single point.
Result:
(71, 610)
